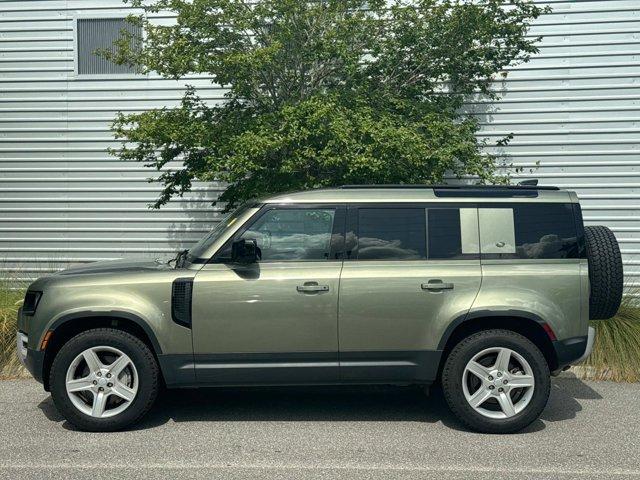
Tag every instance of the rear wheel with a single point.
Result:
(496, 381)
(104, 380)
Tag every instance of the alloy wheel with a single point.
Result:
(102, 382)
(498, 383)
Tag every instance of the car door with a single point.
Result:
(274, 321)
(410, 271)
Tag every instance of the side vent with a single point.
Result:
(181, 301)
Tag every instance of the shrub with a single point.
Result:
(616, 352)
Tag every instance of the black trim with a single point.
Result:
(112, 313)
(390, 366)
(300, 368)
(267, 368)
(486, 313)
(448, 187)
(181, 300)
(520, 192)
(570, 350)
(582, 241)
(35, 363)
(31, 301)
(177, 369)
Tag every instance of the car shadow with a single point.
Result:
(329, 403)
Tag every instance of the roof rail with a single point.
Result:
(453, 187)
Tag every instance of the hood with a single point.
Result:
(116, 266)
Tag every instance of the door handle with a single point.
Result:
(436, 286)
(312, 288)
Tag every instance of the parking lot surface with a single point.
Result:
(589, 430)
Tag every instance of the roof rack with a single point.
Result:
(453, 187)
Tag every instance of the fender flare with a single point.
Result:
(111, 313)
(492, 313)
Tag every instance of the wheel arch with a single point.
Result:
(527, 324)
(68, 326)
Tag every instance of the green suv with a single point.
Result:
(486, 290)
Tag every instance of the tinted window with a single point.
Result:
(545, 231)
(293, 234)
(444, 233)
(391, 234)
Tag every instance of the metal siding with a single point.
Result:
(574, 109)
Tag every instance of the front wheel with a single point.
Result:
(496, 381)
(104, 380)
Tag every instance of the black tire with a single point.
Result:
(605, 272)
(145, 364)
(464, 351)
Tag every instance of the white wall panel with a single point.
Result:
(574, 110)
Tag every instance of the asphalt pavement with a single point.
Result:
(588, 430)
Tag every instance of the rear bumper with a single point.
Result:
(590, 339)
(574, 350)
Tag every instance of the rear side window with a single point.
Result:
(545, 230)
(391, 234)
(416, 234)
(445, 240)
(529, 231)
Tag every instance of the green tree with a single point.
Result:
(321, 93)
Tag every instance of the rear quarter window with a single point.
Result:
(540, 231)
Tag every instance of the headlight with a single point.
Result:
(31, 300)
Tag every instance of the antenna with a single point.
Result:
(529, 183)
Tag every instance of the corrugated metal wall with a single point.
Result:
(574, 110)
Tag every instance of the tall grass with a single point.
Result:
(616, 351)
(11, 296)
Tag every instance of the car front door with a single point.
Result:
(410, 270)
(273, 321)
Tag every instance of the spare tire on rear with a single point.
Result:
(605, 272)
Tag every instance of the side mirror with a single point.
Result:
(245, 251)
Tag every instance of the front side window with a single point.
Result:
(200, 248)
(286, 234)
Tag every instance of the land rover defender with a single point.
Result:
(487, 290)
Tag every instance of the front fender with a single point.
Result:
(143, 299)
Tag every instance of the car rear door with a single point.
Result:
(410, 270)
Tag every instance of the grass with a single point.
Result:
(11, 295)
(616, 353)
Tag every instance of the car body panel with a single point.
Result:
(551, 290)
(375, 323)
(397, 315)
(257, 308)
(144, 293)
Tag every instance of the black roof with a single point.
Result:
(527, 190)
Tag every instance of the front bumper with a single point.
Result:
(33, 360)
(22, 342)
(574, 350)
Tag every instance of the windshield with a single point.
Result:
(199, 249)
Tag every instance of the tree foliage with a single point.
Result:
(320, 93)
